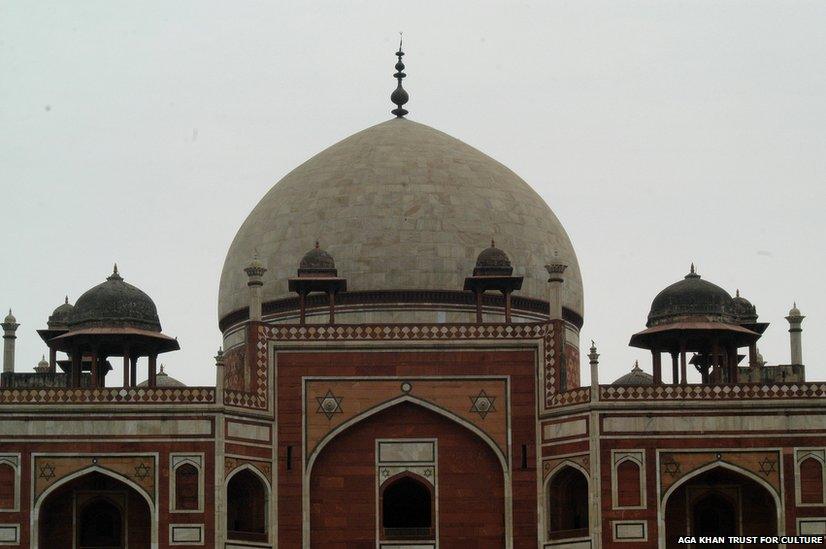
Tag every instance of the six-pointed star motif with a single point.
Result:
(482, 404)
(142, 471)
(47, 471)
(767, 466)
(329, 404)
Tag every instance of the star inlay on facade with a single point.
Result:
(329, 404)
(142, 471)
(767, 466)
(671, 467)
(47, 471)
(482, 404)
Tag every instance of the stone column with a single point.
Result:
(683, 364)
(675, 372)
(153, 369)
(10, 326)
(594, 361)
(795, 332)
(555, 281)
(255, 271)
(126, 367)
(94, 369)
(658, 366)
(52, 359)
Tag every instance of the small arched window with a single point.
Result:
(186, 487)
(811, 481)
(628, 484)
(7, 486)
(568, 504)
(247, 507)
(407, 509)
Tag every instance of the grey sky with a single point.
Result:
(659, 132)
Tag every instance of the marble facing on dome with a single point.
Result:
(401, 206)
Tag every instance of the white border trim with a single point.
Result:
(173, 527)
(16, 528)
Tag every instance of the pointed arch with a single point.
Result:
(250, 534)
(34, 521)
(309, 461)
(776, 498)
(568, 505)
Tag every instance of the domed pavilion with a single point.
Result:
(113, 318)
(695, 315)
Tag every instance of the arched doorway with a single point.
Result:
(96, 511)
(567, 504)
(719, 502)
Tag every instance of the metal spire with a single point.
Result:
(399, 96)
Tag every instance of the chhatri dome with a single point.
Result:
(401, 206)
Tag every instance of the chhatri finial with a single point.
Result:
(115, 274)
(492, 243)
(692, 268)
(66, 300)
(737, 292)
(399, 96)
(316, 245)
(692, 273)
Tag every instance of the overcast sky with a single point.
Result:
(659, 132)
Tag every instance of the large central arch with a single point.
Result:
(94, 488)
(747, 505)
(353, 448)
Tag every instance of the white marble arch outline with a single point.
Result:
(307, 465)
(153, 511)
(551, 474)
(260, 475)
(778, 502)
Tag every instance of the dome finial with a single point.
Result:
(492, 243)
(399, 95)
(692, 273)
(66, 300)
(737, 292)
(316, 245)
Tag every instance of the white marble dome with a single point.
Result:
(400, 206)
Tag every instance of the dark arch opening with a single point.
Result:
(720, 502)
(100, 525)
(568, 504)
(95, 511)
(247, 507)
(407, 509)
